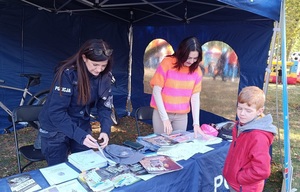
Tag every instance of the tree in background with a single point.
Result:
(292, 26)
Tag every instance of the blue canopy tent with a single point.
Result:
(36, 35)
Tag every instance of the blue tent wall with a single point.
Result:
(34, 41)
(250, 40)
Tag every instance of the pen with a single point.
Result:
(110, 162)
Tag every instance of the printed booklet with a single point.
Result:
(69, 186)
(88, 159)
(22, 183)
(154, 141)
(59, 173)
(106, 179)
(180, 136)
(159, 140)
(160, 164)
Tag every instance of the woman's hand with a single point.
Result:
(105, 138)
(198, 130)
(90, 142)
(167, 127)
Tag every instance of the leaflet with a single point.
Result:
(58, 173)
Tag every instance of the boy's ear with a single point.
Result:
(260, 111)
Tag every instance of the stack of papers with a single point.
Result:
(159, 140)
(69, 186)
(160, 164)
(86, 160)
(184, 151)
(180, 136)
(106, 179)
(154, 142)
(58, 173)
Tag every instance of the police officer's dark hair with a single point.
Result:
(94, 50)
(182, 53)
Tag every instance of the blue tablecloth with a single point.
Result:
(202, 172)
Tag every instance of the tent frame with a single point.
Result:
(163, 12)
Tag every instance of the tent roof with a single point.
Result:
(162, 12)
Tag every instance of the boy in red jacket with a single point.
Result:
(248, 161)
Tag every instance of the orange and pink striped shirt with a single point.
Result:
(177, 86)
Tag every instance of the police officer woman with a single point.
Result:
(80, 83)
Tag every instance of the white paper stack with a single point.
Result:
(86, 160)
(69, 186)
(58, 173)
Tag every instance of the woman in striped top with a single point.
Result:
(176, 86)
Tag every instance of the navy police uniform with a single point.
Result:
(65, 123)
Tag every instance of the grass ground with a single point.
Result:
(214, 94)
(294, 125)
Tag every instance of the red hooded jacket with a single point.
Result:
(248, 162)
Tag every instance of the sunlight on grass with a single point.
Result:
(219, 97)
(293, 135)
(274, 98)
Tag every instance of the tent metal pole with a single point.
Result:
(66, 3)
(269, 67)
(92, 5)
(35, 5)
(130, 37)
(158, 13)
(288, 170)
(163, 10)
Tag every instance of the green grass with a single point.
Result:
(275, 93)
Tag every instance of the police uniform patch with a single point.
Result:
(108, 101)
(62, 89)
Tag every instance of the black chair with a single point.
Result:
(26, 113)
(142, 114)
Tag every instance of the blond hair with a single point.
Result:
(252, 95)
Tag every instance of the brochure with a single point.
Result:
(58, 173)
(106, 179)
(69, 186)
(159, 140)
(180, 136)
(22, 183)
(88, 159)
(160, 164)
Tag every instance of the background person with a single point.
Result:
(177, 85)
(279, 71)
(81, 82)
(221, 67)
(248, 162)
(232, 65)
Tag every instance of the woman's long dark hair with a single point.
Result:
(94, 50)
(185, 47)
